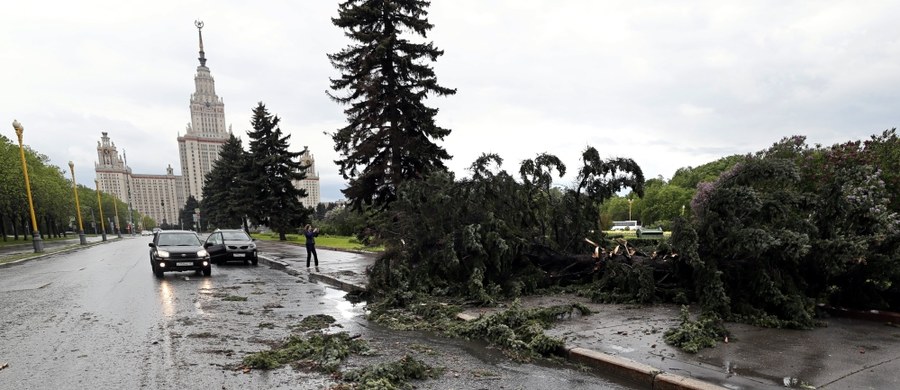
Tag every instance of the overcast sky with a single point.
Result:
(668, 84)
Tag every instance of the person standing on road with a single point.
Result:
(311, 234)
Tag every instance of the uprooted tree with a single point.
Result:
(490, 235)
(780, 232)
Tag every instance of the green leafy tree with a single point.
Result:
(662, 203)
(50, 190)
(12, 188)
(270, 175)
(390, 135)
(224, 189)
(690, 177)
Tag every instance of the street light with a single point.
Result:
(81, 237)
(35, 234)
(116, 225)
(128, 184)
(629, 208)
(100, 205)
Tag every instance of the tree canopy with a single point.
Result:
(487, 235)
(224, 204)
(270, 175)
(391, 133)
(52, 193)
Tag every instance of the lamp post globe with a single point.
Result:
(81, 237)
(35, 234)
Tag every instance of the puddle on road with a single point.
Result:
(347, 309)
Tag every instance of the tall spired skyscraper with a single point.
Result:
(205, 135)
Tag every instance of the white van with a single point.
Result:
(625, 225)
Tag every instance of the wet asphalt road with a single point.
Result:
(98, 318)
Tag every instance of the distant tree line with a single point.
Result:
(54, 200)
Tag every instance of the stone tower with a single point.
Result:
(311, 182)
(206, 133)
(110, 169)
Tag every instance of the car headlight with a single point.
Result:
(202, 253)
(252, 246)
(162, 254)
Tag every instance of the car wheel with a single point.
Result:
(159, 273)
(207, 271)
(246, 262)
(255, 261)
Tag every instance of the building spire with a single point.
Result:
(199, 25)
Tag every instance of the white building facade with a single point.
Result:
(311, 182)
(156, 196)
(162, 196)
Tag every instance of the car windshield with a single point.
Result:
(235, 236)
(178, 239)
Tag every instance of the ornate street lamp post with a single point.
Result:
(100, 205)
(116, 225)
(128, 185)
(35, 234)
(81, 237)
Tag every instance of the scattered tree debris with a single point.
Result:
(320, 352)
(520, 332)
(692, 336)
(314, 322)
(393, 375)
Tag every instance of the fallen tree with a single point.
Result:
(774, 236)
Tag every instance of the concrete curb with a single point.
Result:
(638, 373)
(313, 277)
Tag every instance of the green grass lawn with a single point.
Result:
(323, 241)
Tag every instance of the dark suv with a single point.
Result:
(178, 250)
(231, 244)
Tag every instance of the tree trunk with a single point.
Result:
(2, 227)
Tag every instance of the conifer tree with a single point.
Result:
(186, 214)
(269, 176)
(224, 205)
(390, 136)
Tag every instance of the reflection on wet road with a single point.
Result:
(98, 318)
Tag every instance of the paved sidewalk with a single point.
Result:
(628, 340)
(51, 247)
(342, 269)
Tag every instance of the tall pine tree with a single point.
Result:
(390, 136)
(269, 176)
(186, 214)
(224, 204)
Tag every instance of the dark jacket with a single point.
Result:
(310, 236)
